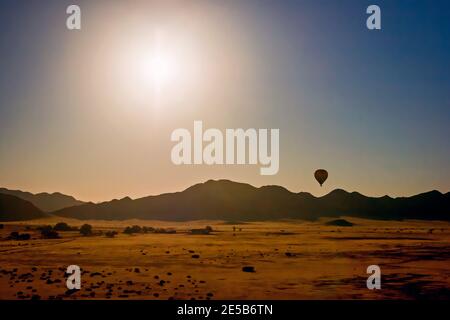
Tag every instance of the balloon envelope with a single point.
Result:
(321, 175)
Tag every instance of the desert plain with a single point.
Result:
(289, 259)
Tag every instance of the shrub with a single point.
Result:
(24, 236)
(48, 233)
(133, 229)
(162, 230)
(45, 228)
(200, 231)
(13, 235)
(111, 234)
(86, 230)
(1, 226)
(62, 226)
(148, 229)
(248, 269)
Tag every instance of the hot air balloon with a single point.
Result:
(321, 175)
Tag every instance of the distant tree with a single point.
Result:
(162, 230)
(86, 230)
(24, 236)
(48, 233)
(127, 230)
(62, 226)
(136, 229)
(13, 235)
(148, 229)
(111, 234)
(200, 231)
(45, 228)
(133, 229)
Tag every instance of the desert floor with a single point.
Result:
(291, 259)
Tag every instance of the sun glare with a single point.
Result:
(148, 67)
(156, 69)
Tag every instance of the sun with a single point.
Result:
(153, 68)
(156, 69)
(148, 66)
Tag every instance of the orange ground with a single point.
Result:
(292, 260)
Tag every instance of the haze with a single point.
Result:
(90, 113)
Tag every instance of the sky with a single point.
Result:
(78, 115)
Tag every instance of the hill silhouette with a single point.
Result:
(15, 209)
(340, 223)
(228, 200)
(46, 202)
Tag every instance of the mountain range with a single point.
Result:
(228, 200)
(13, 208)
(46, 202)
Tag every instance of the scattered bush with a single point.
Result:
(86, 230)
(248, 269)
(138, 229)
(18, 236)
(206, 230)
(48, 233)
(13, 235)
(148, 229)
(200, 231)
(162, 230)
(111, 234)
(1, 226)
(62, 226)
(133, 229)
(44, 228)
(24, 236)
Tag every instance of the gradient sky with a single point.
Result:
(372, 107)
